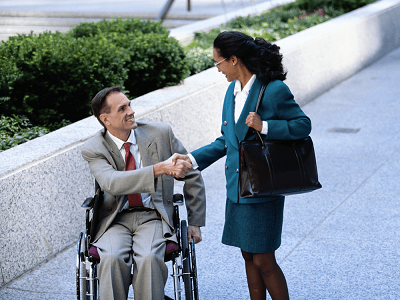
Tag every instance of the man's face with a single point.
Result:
(120, 120)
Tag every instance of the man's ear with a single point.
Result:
(103, 118)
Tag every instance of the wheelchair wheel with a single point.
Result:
(186, 261)
(81, 272)
(194, 271)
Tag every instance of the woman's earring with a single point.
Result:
(234, 64)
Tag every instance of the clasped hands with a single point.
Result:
(178, 165)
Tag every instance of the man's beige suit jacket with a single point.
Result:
(156, 143)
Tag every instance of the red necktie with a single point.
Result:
(134, 199)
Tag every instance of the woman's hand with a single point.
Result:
(254, 121)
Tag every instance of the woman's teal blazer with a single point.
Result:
(286, 121)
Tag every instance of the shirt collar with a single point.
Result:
(246, 88)
(120, 143)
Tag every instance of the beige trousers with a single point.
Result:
(133, 237)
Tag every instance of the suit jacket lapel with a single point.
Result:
(147, 148)
(115, 153)
(229, 117)
(241, 128)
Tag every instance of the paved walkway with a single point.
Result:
(340, 242)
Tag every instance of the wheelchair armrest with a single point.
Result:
(88, 203)
(178, 199)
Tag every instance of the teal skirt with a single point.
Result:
(254, 228)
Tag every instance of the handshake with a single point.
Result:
(178, 165)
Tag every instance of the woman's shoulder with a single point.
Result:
(279, 89)
(277, 84)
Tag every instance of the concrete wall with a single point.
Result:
(44, 181)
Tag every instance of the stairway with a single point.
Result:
(23, 22)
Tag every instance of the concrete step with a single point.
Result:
(23, 24)
(103, 15)
(13, 30)
(35, 21)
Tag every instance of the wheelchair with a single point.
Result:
(183, 258)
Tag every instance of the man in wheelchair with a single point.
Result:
(132, 163)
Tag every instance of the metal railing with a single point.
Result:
(166, 8)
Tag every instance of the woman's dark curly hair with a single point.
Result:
(259, 56)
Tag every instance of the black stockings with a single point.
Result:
(263, 273)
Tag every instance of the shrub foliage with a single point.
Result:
(52, 77)
(56, 75)
(154, 59)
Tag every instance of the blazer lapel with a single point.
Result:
(115, 153)
(241, 128)
(147, 148)
(229, 117)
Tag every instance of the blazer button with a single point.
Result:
(226, 167)
(237, 170)
(225, 122)
(226, 147)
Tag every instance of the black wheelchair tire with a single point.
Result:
(78, 267)
(186, 261)
(81, 272)
(194, 270)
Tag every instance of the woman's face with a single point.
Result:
(225, 66)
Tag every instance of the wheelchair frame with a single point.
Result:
(183, 260)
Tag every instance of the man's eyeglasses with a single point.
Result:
(217, 63)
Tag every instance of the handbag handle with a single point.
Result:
(260, 95)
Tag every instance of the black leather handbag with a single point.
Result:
(276, 168)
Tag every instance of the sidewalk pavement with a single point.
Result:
(340, 242)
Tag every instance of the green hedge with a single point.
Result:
(134, 25)
(155, 59)
(15, 130)
(345, 5)
(52, 77)
(56, 75)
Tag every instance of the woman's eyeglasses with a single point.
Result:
(217, 63)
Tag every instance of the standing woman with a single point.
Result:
(253, 224)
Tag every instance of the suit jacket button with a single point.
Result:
(226, 147)
(225, 122)
(226, 167)
(237, 170)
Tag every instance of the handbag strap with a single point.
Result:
(260, 95)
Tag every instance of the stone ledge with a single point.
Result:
(44, 181)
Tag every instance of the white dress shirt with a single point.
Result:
(146, 197)
(240, 99)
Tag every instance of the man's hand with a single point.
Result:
(177, 156)
(177, 170)
(195, 233)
